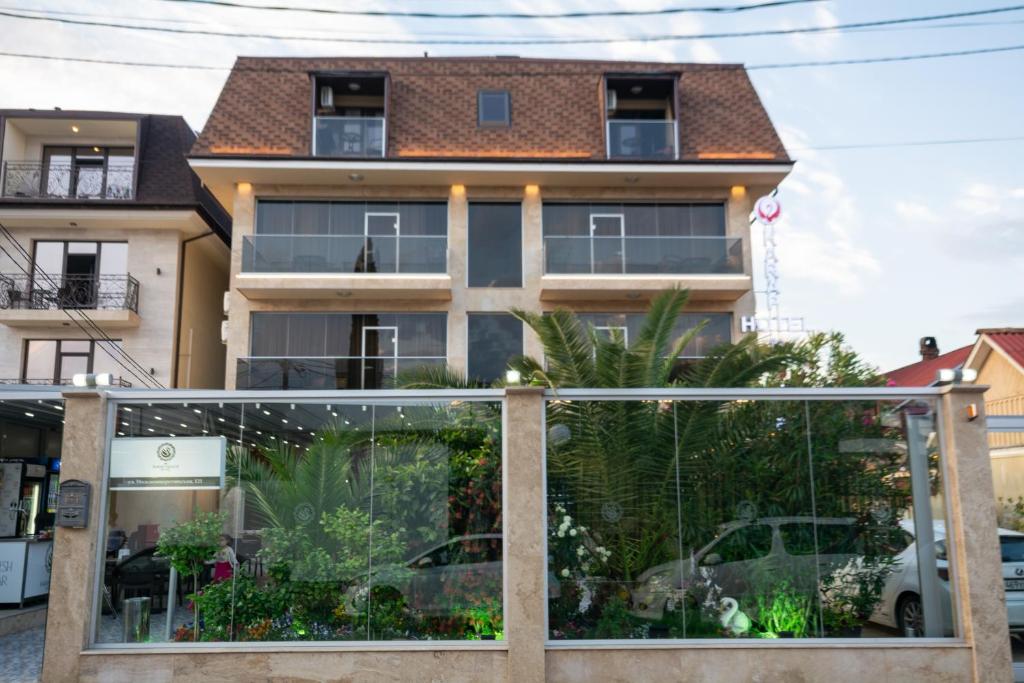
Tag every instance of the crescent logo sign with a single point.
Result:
(165, 452)
(767, 210)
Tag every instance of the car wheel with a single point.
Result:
(910, 616)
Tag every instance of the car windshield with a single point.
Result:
(1012, 548)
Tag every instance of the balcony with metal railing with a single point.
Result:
(359, 137)
(42, 300)
(47, 180)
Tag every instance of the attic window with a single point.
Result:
(494, 109)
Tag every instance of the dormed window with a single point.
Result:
(494, 109)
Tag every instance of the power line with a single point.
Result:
(144, 378)
(909, 143)
(881, 60)
(534, 42)
(707, 9)
(749, 67)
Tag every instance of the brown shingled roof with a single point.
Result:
(265, 109)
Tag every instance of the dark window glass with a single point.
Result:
(274, 218)
(716, 332)
(333, 335)
(641, 220)
(494, 338)
(1012, 548)
(810, 537)
(495, 245)
(745, 543)
(493, 108)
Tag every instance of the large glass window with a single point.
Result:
(495, 245)
(494, 339)
(749, 519)
(291, 522)
(639, 239)
(717, 329)
(340, 350)
(57, 361)
(88, 172)
(348, 237)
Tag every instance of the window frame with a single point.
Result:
(505, 122)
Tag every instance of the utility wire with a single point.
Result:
(749, 67)
(909, 143)
(707, 9)
(144, 378)
(534, 42)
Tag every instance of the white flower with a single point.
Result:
(582, 528)
(561, 533)
(565, 572)
(572, 532)
(567, 519)
(581, 551)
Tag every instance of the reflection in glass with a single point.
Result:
(755, 519)
(337, 522)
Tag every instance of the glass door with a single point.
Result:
(607, 242)
(380, 242)
(380, 355)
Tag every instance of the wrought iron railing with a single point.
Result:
(56, 292)
(43, 180)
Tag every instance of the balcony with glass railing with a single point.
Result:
(46, 180)
(344, 254)
(643, 255)
(353, 372)
(349, 136)
(643, 139)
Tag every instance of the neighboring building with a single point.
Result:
(389, 212)
(122, 247)
(998, 357)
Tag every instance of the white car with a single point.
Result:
(900, 606)
(745, 550)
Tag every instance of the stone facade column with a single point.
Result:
(525, 601)
(971, 527)
(73, 578)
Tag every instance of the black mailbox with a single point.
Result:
(73, 504)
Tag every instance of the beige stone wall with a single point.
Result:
(152, 342)
(205, 279)
(465, 300)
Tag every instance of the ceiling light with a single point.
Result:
(266, 412)
(158, 418)
(636, 89)
(197, 411)
(28, 414)
(355, 177)
(95, 149)
(631, 179)
(183, 425)
(354, 87)
(222, 419)
(127, 409)
(74, 128)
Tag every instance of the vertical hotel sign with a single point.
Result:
(176, 464)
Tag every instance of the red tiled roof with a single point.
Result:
(1009, 339)
(265, 109)
(922, 373)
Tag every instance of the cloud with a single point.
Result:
(916, 211)
(817, 44)
(703, 51)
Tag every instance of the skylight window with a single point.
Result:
(494, 109)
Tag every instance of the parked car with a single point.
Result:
(900, 607)
(745, 552)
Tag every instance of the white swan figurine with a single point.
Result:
(735, 622)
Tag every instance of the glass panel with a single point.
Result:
(349, 136)
(495, 245)
(641, 139)
(120, 171)
(40, 360)
(89, 172)
(274, 218)
(71, 366)
(58, 172)
(753, 519)
(75, 346)
(494, 108)
(385, 224)
(340, 522)
(494, 339)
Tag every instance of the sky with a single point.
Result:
(884, 244)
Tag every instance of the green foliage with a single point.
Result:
(785, 609)
(189, 544)
(232, 606)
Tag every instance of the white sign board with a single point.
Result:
(176, 464)
(37, 569)
(12, 570)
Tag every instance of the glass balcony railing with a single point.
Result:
(642, 139)
(348, 136)
(573, 255)
(344, 254)
(38, 179)
(325, 373)
(62, 292)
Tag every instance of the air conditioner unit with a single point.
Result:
(224, 332)
(326, 96)
(612, 101)
(227, 303)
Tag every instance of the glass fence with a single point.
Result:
(344, 254)
(314, 520)
(642, 139)
(744, 519)
(647, 255)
